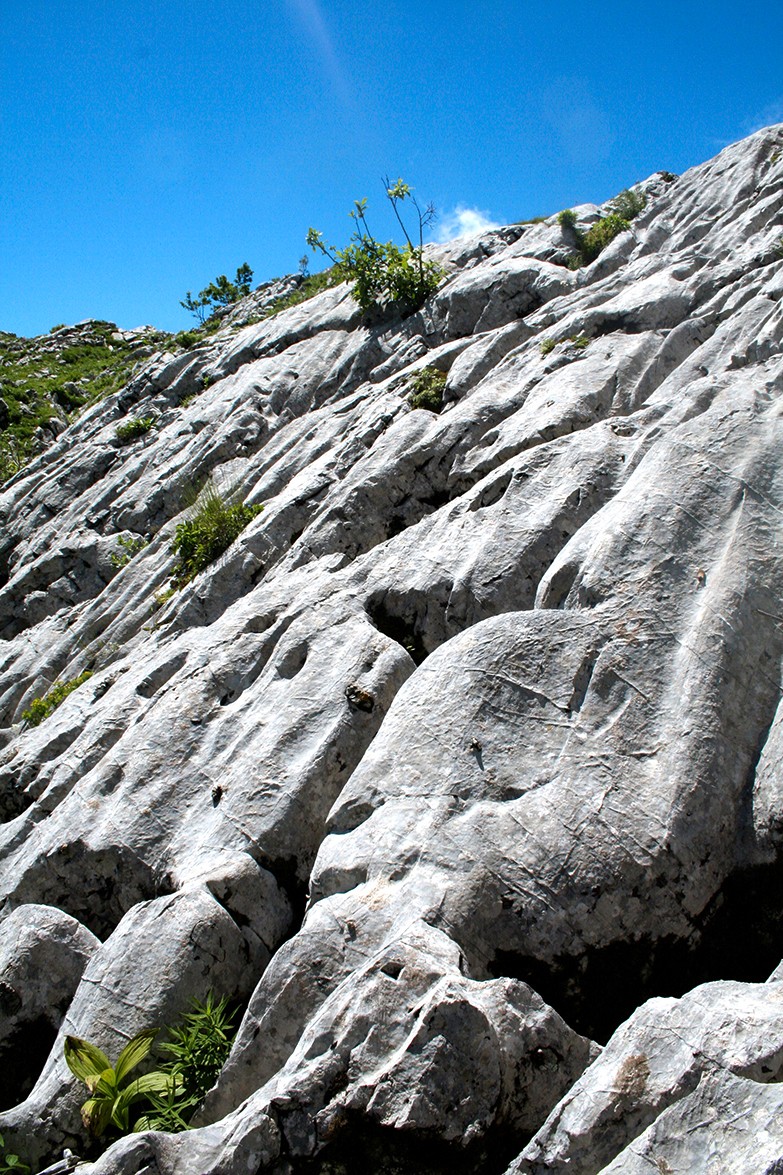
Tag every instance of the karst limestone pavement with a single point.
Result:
(464, 761)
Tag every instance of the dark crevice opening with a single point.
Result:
(363, 1147)
(739, 936)
(396, 621)
(22, 1057)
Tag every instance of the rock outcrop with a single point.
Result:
(464, 759)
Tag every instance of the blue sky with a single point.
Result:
(149, 146)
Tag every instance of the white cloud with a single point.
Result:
(462, 222)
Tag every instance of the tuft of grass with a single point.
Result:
(41, 708)
(136, 427)
(208, 533)
(427, 389)
(628, 204)
(580, 341)
(547, 346)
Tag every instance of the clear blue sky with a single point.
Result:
(148, 145)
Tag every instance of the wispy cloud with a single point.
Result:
(311, 16)
(462, 222)
(767, 117)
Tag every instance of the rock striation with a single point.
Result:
(460, 770)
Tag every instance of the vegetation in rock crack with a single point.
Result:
(11, 1164)
(113, 1090)
(628, 204)
(134, 428)
(41, 708)
(547, 346)
(427, 389)
(311, 285)
(197, 1048)
(129, 547)
(383, 273)
(579, 341)
(211, 529)
(624, 208)
(219, 293)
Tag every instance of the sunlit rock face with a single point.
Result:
(465, 758)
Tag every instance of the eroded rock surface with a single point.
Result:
(467, 747)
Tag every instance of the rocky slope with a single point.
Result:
(464, 760)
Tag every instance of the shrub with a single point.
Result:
(208, 533)
(427, 389)
(41, 708)
(600, 234)
(198, 1049)
(136, 427)
(566, 218)
(383, 273)
(628, 204)
(220, 292)
(112, 1090)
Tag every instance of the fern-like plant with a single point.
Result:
(198, 1048)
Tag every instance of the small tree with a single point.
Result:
(220, 292)
(384, 273)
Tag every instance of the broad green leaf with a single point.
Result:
(96, 1115)
(134, 1052)
(84, 1060)
(104, 1084)
(141, 1087)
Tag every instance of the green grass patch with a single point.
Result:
(42, 378)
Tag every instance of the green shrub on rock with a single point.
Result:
(208, 533)
(383, 273)
(427, 389)
(41, 708)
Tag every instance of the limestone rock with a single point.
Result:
(467, 746)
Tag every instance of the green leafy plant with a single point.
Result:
(547, 346)
(41, 708)
(198, 1049)
(383, 273)
(579, 341)
(129, 545)
(427, 389)
(11, 1164)
(221, 292)
(136, 427)
(113, 1091)
(211, 529)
